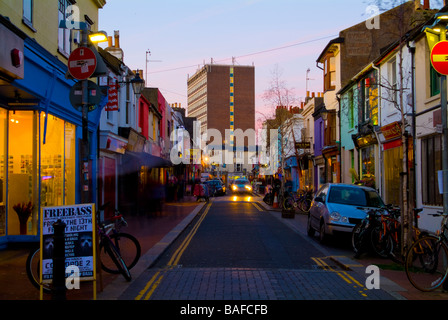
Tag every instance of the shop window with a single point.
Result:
(431, 164)
(58, 158)
(3, 166)
(22, 166)
(393, 165)
(368, 165)
(70, 164)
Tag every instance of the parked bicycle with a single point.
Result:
(118, 252)
(427, 259)
(386, 237)
(300, 200)
(362, 232)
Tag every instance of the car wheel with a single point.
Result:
(322, 235)
(309, 229)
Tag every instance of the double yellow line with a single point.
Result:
(256, 205)
(154, 282)
(344, 275)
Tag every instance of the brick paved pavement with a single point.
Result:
(253, 284)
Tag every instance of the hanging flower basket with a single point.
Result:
(24, 211)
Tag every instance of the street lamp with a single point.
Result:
(138, 84)
(100, 36)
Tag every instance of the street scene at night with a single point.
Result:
(220, 159)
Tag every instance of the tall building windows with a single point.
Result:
(27, 16)
(431, 164)
(434, 82)
(330, 73)
(63, 34)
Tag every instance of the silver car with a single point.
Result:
(241, 186)
(338, 208)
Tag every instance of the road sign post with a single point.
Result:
(439, 60)
(82, 64)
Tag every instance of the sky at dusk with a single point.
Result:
(183, 35)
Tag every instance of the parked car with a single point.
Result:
(241, 186)
(338, 208)
(217, 187)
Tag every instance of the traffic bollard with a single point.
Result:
(58, 292)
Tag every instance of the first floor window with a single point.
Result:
(431, 164)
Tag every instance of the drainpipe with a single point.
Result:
(380, 153)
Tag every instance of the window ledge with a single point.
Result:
(29, 24)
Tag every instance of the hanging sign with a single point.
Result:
(112, 104)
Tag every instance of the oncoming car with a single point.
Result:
(336, 208)
(241, 186)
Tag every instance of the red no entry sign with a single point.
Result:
(82, 63)
(439, 57)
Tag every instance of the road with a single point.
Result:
(236, 250)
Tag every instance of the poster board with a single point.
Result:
(80, 240)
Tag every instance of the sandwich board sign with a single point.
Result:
(80, 240)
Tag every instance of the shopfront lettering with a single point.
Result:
(67, 211)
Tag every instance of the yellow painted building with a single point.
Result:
(39, 128)
(39, 19)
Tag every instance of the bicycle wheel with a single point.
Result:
(33, 270)
(116, 258)
(358, 235)
(129, 249)
(305, 205)
(288, 203)
(381, 244)
(426, 263)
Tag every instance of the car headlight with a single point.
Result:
(336, 216)
(233, 187)
(248, 188)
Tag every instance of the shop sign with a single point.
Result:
(391, 131)
(303, 145)
(366, 140)
(79, 239)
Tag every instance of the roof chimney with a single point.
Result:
(117, 38)
(426, 5)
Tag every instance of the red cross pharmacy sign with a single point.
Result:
(82, 63)
(439, 57)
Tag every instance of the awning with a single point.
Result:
(131, 159)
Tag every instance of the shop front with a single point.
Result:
(393, 153)
(39, 136)
(367, 145)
